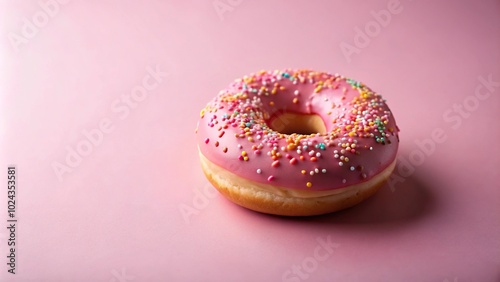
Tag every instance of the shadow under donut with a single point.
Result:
(407, 202)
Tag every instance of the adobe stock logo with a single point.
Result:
(363, 37)
(31, 27)
(223, 6)
(323, 251)
(200, 201)
(121, 107)
(454, 116)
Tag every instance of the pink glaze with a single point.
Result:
(361, 139)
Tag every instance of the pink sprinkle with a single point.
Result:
(288, 156)
(240, 158)
(257, 152)
(276, 163)
(293, 161)
(207, 140)
(270, 178)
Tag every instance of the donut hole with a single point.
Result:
(290, 123)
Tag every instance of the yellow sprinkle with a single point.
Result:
(244, 153)
(309, 184)
(245, 158)
(295, 100)
(271, 103)
(303, 171)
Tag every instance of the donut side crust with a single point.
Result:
(263, 197)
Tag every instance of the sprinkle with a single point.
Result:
(293, 161)
(224, 150)
(270, 178)
(303, 171)
(259, 171)
(275, 163)
(295, 100)
(309, 184)
(207, 140)
(341, 163)
(323, 170)
(352, 168)
(221, 134)
(313, 159)
(216, 143)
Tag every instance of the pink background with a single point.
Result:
(116, 216)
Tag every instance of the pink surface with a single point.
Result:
(123, 83)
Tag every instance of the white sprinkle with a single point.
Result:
(311, 172)
(352, 168)
(323, 170)
(371, 148)
(344, 181)
(336, 156)
(259, 171)
(318, 154)
(299, 151)
(341, 163)
(311, 153)
(296, 92)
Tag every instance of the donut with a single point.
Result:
(297, 142)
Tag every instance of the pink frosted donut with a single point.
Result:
(297, 142)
